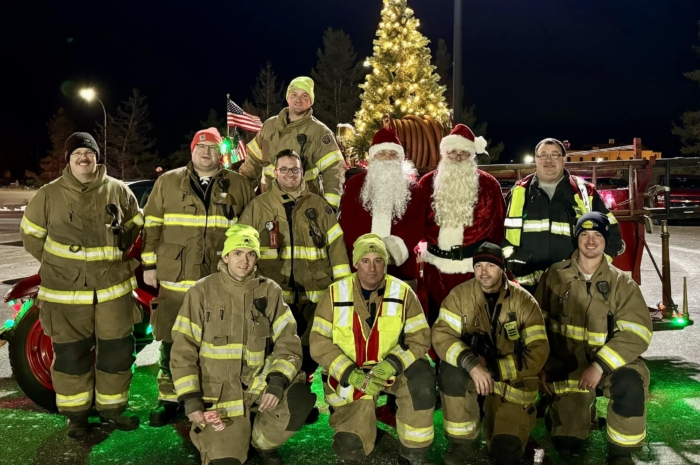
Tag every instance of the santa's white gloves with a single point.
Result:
(397, 249)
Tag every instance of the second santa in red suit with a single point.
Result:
(384, 200)
(464, 208)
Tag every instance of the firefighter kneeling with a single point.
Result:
(370, 335)
(491, 339)
(223, 362)
(599, 326)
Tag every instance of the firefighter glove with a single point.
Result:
(383, 370)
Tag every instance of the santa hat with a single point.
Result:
(386, 139)
(462, 138)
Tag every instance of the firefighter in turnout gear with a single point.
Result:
(236, 350)
(370, 335)
(187, 216)
(295, 126)
(491, 340)
(302, 247)
(542, 212)
(598, 326)
(80, 228)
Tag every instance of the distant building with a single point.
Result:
(609, 151)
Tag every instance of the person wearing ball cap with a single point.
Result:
(221, 343)
(187, 215)
(295, 128)
(370, 335)
(598, 326)
(491, 340)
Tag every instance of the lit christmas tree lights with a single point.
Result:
(402, 81)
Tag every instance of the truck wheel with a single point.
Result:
(31, 355)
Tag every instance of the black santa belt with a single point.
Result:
(456, 252)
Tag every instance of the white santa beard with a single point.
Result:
(455, 193)
(386, 192)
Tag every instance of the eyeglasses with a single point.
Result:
(87, 153)
(454, 154)
(207, 148)
(553, 156)
(285, 170)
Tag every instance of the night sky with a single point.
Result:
(582, 70)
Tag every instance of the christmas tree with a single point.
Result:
(402, 81)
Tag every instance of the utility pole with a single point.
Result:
(457, 64)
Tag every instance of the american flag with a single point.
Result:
(235, 116)
(242, 152)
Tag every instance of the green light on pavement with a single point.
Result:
(149, 330)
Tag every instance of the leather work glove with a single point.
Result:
(374, 386)
(358, 379)
(383, 370)
(397, 249)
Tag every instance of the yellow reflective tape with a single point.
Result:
(153, 221)
(330, 158)
(185, 326)
(313, 296)
(269, 170)
(415, 323)
(66, 297)
(136, 220)
(311, 174)
(533, 333)
(186, 384)
(334, 233)
(233, 408)
(106, 399)
(322, 327)
(578, 333)
(260, 441)
(452, 320)
(148, 258)
(453, 352)
(198, 221)
(406, 356)
(341, 271)
(280, 323)
(625, 439)
(284, 367)
(267, 253)
(114, 292)
(568, 386)
(339, 366)
(409, 433)
(535, 225)
(636, 328)
(223, 352)
(611, 218)
(254, 359)
(77, 252)
(514, 395)
(76, 400)
(167, 397)
(562, 229)
(32, 229)
(332, 199)
(181, 286)
(506, 366)
(612, 358)
(467, 428)
(254, 148)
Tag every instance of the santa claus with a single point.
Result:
(384, 200)
(464, 208)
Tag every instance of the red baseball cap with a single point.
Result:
(210, 134)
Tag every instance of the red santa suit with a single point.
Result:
(447, 259)
(400, 235)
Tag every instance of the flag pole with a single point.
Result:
(228, 129)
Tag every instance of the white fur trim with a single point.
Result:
(381, 225)
(456, 142)
(386, 146)
(448, 237)
(397, 249)
(448, 266)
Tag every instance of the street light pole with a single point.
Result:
(88, 95)
(457, 64)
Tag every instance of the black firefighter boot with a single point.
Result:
(414, 456)
(269, 457)
(120, 419)
(618, 455)
(78, 425)
(164, 414)
(461, 453)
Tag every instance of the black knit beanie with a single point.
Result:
(81, 140)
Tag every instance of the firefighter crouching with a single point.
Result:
(80, 227)
(598, 327)
(491, 340)
(236, 347)
(302, 247)
(370, 335)
(187, 216)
